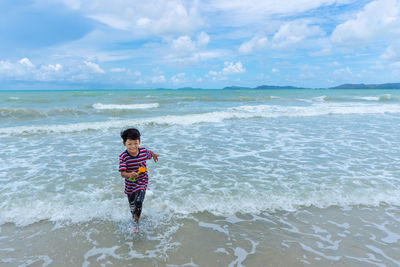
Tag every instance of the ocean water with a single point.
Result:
(244, 178)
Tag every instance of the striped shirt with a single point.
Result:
(130, 163)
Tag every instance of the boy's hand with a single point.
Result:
(133, 175)
(155, 156)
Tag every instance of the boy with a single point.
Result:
(129, 162)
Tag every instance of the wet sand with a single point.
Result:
(357, 236)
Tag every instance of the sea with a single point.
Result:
(306, 177)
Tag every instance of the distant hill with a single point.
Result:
(261, 87)
(188, 88)
(277, 87)
(236, 88)
(272, 87)
(368, 86)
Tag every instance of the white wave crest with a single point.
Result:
(241, 112)
(118, 106)
(368, 98)
(115, 209)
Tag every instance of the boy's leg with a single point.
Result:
(135, 203)
(131, 199)
(138, 202)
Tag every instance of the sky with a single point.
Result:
(130, 44)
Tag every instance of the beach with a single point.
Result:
(245, 178)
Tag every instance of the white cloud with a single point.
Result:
(256, 43)
(288, 34)
(158, 79)
(275, 70)
(203, 39)
(20, 70)
(322, 52)
(179, 17)
(143, 21)
(143, 18)
(344, 71)
(234, 12)
(378, 19)
(25, 70)
(213, 73)
(26, 62)
(179, 78)
(93, 67)
(294, 32)
(392, 53)
(112, 21)
(119, 70)
(183, 45)
(186, 50)
(231, 68)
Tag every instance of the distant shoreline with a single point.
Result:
(342, 86)
(387, 86)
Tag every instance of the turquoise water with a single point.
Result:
(291, 177)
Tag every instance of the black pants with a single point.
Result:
(135, 203)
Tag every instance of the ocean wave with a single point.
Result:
(80, 210)
(25, 113)
(229, 99)
(292, 201)
(13, 98)
(127, 107)
(240, 112)
(380, 98)
(36, 113)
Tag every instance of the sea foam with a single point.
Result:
(99, 208)
(240, 112)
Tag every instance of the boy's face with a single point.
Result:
(132, 146)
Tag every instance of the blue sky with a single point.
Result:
(103, 44)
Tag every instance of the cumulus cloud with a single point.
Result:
(158, 79)
(378, 19)
(254, 11)
(203, 39)
(119, 70)
(256, 43)
(344, 71)
(322, 52)
(25, 70)
(143, 18)
(233, 68)
(179, 78)
(288, 34)
(20, 70)
(26, 62)
(95, 68)
(392, 53)
(186, 50)
(294, 32)
(230, 68)
(275, 70)
(184, 45)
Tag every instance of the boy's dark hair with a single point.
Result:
(131, 133)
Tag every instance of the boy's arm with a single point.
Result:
(154, 156)
(127, 175)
